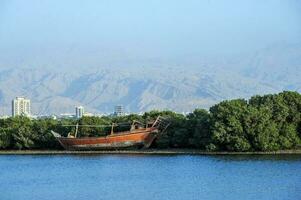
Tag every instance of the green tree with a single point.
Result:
(288, 136)
(261, 131)
(284, 119)
(176, 135)
(104, 128)
(42, 129)
(199, 124)
(227, 129)
(22, 134)
(5, 138)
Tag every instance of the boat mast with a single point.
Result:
(76, 130)
(112, 128)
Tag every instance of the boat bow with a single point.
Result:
(55, 134)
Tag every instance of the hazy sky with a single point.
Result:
(52, 30)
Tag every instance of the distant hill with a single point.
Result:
(278, 65)
(180, 88)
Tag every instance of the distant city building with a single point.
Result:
(4, 117)
(119, 110)
(79, 112)
(66, 116)
(21, 106)
(87, 114)
(47, 117)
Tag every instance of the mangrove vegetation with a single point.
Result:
(262, 123)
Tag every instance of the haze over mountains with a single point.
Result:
(146, 55)
(160, 86)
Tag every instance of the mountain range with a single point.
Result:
(180, 86)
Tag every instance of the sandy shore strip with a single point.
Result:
(143, 152)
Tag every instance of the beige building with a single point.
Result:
(21, 106)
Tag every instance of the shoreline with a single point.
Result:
(144, 152)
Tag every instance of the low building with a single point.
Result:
(66, 116)
(47, 117)
(87, 114)
(4, 117)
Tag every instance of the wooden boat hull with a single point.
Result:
(135, 139)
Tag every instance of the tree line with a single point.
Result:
(261, 123)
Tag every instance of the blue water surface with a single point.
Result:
(130, 177)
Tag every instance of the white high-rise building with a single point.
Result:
(118, 110)
(79, 112)
(21, 106)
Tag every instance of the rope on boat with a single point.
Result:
(109, 125)
(93, 125)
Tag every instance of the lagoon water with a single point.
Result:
(130, 177)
